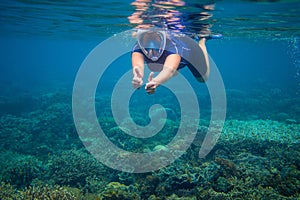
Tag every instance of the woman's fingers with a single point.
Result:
(150, 77)
(137, 82)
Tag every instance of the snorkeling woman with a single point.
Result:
(167, 52)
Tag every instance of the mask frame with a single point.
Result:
(152, 42)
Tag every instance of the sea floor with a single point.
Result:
(256, 157)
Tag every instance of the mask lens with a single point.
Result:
(153, 54)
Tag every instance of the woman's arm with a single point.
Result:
(169, 69)
(137, 60)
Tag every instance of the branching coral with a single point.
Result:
(74, 167)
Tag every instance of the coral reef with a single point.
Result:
(20, 170)
(118, 191)
(7, 192)
(47, 192)
(77, 168)
(42, 131)
(257, 155)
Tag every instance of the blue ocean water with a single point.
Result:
(43, 46)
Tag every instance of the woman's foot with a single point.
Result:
(208, 36)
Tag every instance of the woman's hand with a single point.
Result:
(137, 80)
(151, 85)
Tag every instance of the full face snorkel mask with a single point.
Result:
(152, 43)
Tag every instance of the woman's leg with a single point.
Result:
(205, 62)
(197, 57)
